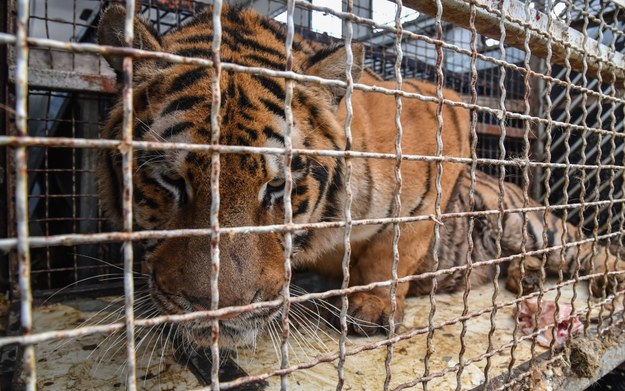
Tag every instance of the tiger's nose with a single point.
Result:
(204, 303)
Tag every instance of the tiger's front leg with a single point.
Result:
(373, 262)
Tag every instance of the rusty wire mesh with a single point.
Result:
(545, 115)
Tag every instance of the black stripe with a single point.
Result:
(265, 62)
(251, 133)
(273, 107)
(456, 122)
(272, 86)
(177, 128)
(322, 54)
(331, 207)
(141, 128)
(302, 241)
(182, 104)
(240, 39)
(205, 53)
(186, 79)
(243, 142)
(195, 159)
(298, 163)
(320, 174)
(273, 27)
(551, 237)
(300, 190)
(244, 104)
(140, 197)
(301, 208)
(197, 38)
(262, 164)
(270, 133)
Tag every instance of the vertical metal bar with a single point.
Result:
(127, 170)
(397, 200)
(21, 190)
(215, 198)
(565, 188)
(439, 173)
(500, 204)
(583, 178)
(577, 266)
(5, 172)
(74, 193)
(547, 179)
(46, 191)
(613, 162)
(471, 203)
(288, 188)
(348, 196)
(597, 174)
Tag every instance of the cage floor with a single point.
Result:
(89, 363)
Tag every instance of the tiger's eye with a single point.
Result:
(276, 183)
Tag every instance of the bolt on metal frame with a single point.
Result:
(606, 67)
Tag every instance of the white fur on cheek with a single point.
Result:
(262, 193)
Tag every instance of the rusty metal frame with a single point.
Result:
(597, 60)
(601, 59)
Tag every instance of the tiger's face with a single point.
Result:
(172, 188)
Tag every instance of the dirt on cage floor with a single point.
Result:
(98, 363)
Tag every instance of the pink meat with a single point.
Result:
(527, 317)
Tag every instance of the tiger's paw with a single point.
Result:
(606, 285)
(530, 281)
(369, 314)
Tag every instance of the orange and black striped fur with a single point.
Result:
(172, 188)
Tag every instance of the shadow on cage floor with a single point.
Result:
(89, 363)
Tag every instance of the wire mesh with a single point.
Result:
(555, 130)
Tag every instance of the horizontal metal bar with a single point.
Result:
(598, 57)
(9, 244)
(64, 142)
(225, 312)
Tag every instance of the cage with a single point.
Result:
(543, 84)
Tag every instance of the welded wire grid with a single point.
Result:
(581, 105)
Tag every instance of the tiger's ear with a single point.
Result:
(330, 63)
(111, 33)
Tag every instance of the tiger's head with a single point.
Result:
(172, 188)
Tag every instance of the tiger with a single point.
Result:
(171, 188)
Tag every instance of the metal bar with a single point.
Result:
(500, 203)
(471, 203)
(347, 212)
(288, 188)
(144, 145)
(487, 24)
(29, 368)
(399, 55)
(224, 312)
(73, 239)
(127, 198)
(215, 193)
